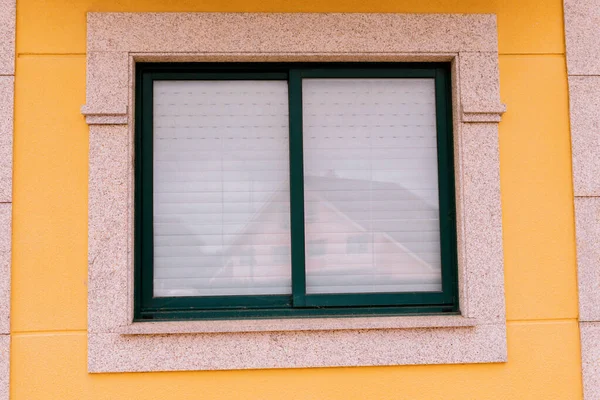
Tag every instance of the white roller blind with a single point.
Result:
(221, 188)
(371, 186)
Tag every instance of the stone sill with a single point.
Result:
(297, 324)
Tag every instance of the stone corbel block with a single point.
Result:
(117, 116)
(473, 114)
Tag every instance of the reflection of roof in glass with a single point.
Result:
(399, 202)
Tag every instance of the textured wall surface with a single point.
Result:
(49, 297)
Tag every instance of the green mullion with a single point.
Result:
(296, 188)
(446, 185)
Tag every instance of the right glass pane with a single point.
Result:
(371, 186)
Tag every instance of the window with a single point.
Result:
(119, 340)
(358, 157)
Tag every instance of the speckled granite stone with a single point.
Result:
(209, 351)
(291, 33)
(4, 366)
(7, 92)
(7, 36)
(7, 71)
(587, 217)
(109, 227)
(584, 98)
(107, 87)
(582, 19)
(590, 359)
(5, 258)
(482, 219)
(299, 324)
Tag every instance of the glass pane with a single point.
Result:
(371, 186)
(221, 188)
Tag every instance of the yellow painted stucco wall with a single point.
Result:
(49, 266)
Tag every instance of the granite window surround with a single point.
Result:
(116, 41)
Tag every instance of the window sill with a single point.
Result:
(297, 324)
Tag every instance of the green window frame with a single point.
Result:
(299, 303)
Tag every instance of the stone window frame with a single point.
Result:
(116, 41)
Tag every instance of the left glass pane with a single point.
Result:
(221, 188)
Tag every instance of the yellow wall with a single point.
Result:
(48, 354)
